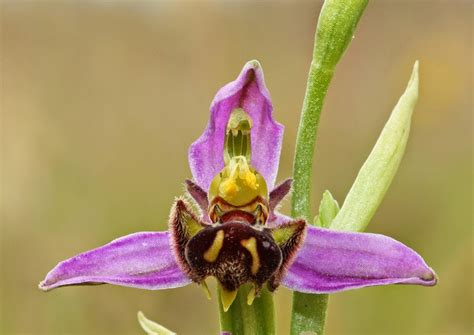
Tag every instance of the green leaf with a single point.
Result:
(377, 173)
(151, 327)
(328, 209)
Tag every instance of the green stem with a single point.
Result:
(309, 313)
(336, 25)
(242, 319)
(318, 83)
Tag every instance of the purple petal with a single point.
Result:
(141, 260)
(275, 198)
(198, 194)
(249, 92)
(200, 197)
(279, 193)
(331, 261)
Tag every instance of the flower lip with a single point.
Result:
(243, 254)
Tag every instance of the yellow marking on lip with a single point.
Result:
(251, 246)
(213, 252)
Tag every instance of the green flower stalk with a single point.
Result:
(335, 30)
(336, 26)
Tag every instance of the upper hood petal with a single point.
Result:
(142, 260)
(331, 261)
(249, 92)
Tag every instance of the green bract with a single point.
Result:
(377, 173)
(151, 327)
(328, 209)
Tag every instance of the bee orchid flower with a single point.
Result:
(232, 231)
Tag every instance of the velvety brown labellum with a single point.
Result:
(237, 247)
(238, 261)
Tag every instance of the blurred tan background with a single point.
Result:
(100, 101)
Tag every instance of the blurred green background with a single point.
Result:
(100, 101)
